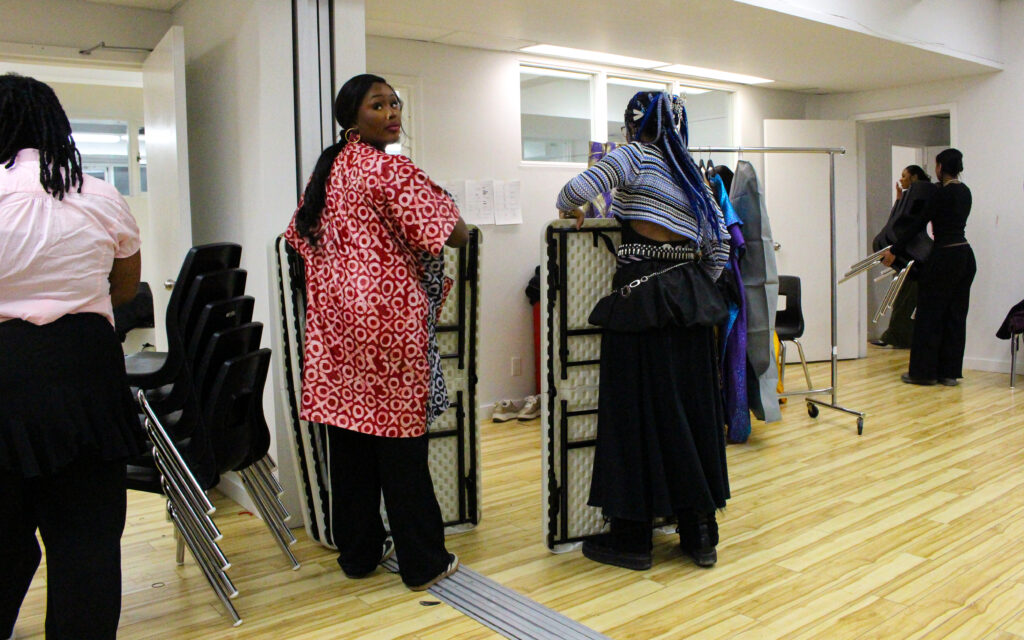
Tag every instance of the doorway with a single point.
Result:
(889, 146)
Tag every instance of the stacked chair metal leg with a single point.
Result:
(893, 291)
(265, 492)
(189, 509)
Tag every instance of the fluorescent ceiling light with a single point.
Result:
(643, 84)
(714, 74)
(104, 138)
(592, 56)
(553, 73)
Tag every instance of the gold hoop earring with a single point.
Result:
(348, 135)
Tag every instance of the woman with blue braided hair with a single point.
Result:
(660, 430)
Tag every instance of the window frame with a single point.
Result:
(599, 80)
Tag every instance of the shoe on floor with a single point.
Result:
(704, 557)
(949, 382)
(598, 549)
(530, 410)
(698, 537)
(925, 382)
(506, 410)
(387, 550)
(453, 566)
(879, 343)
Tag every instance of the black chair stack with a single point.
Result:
(789, 326)
(202, 405)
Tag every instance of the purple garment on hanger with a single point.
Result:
(734, 356)
(734, 350)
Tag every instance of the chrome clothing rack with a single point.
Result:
(812, 403)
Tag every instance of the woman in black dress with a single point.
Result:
(660, 435)
(944, 288)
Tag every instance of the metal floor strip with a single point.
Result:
(511, 614)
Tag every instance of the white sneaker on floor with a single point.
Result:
(506, 410)
(530, 410)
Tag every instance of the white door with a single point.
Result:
(903, 157)
(797, 198)
(170, 214)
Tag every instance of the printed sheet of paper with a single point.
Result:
(507, 204)
(487, 201)
(479, 202)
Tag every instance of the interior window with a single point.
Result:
(620, 91)
(555, 114)
(104, 149)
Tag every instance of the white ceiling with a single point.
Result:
(798, 54)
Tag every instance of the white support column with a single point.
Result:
(349, 40)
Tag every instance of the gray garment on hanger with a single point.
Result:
(761, 281)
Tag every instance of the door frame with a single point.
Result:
(906, 113)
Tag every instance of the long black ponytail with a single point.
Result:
(346, 107)
(31, 117)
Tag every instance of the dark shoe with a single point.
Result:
(453, 566)
(704, 558)
(925, 382)
(949, 382)
(698, 536)
(879, 343)
(598, 549)
(387, 550)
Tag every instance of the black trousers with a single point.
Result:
(80, 514)
(940, 326)
(362, 466)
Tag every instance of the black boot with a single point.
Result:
(627, 545)
(698, 537)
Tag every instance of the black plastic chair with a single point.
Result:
(789, 326)
(217, 316)
(206, 288)
(152, 369)
(223, 346)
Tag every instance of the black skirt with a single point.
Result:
(63, 395)
(661, 427)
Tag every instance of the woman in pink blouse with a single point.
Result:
(370, 228)
(69, 247)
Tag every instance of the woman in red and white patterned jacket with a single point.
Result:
(370, 228)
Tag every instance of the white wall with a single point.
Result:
(242, 142)
(987, 128)
(468, 126)
(752, 106)
(967, 29)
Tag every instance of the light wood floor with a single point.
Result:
(913, 530)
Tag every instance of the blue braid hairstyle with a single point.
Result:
(660, 118)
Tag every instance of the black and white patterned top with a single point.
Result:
(433, 281)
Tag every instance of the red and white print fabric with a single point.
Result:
(365, 362)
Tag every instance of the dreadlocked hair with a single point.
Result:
(661, 119)
(31, 117)
(314, 199)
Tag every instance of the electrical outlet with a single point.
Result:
(517, 366)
